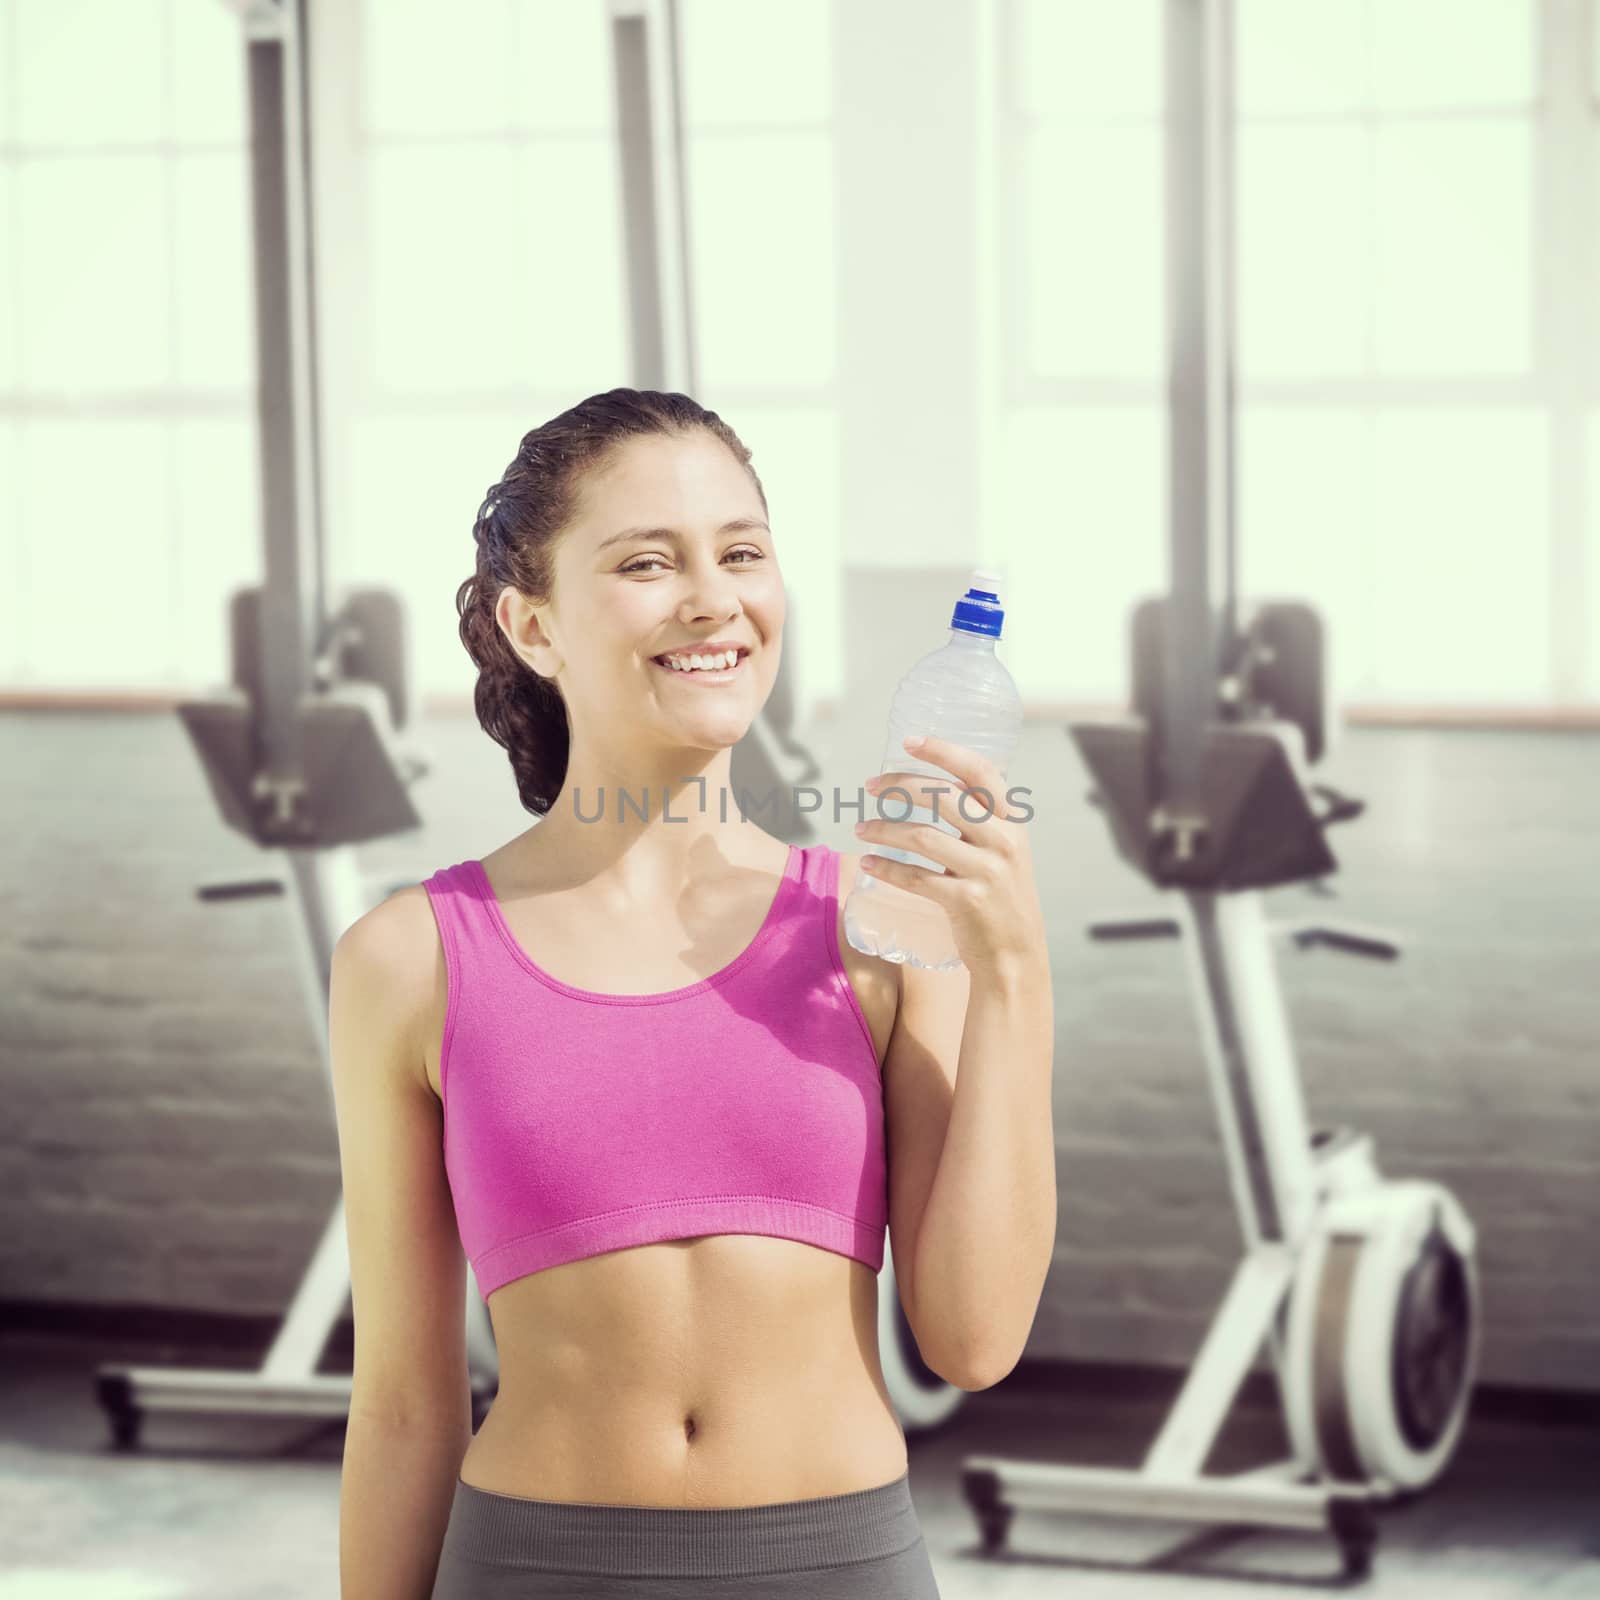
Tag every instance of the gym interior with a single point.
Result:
(1252, 343)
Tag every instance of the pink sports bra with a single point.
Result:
(577, 1123)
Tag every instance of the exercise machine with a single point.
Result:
(1364, 1289)
(309, 751)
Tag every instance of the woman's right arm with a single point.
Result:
(410, 1405)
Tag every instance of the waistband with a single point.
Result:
(672, 1541)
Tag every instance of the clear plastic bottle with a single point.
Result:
(961, 692)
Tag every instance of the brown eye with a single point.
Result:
(639, 565)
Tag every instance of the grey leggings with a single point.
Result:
(866, 1545)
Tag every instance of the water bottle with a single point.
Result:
(961, 692)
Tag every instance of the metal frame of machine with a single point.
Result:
(1363, 1289)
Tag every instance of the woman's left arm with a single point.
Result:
(984, 1238)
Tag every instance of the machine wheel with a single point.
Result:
(125, 1429)
(994, 1526)
(115, 1393)
(1356, 1561)
(1356, 1529)
(982, 1489)
(1433, 1341)
(1383, 1334)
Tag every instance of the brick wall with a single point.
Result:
(170, 1137)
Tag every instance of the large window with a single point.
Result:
(128, 500)
(493, 244)
(1416, 350)
(472, 246)
(1419, 345)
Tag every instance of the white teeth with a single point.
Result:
(697, 663)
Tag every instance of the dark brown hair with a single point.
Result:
(518, 527)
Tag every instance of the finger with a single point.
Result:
(950, 799)
(904, 875)
(922, 839)
(965, 762)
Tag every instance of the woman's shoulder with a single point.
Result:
(396, 949)
(397, 934)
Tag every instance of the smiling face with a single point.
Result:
(670, 549)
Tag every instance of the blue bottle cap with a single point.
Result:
(978, 610)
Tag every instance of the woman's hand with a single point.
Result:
(987, 888)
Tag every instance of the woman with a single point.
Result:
(656, 1072)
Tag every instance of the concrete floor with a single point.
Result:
(249, 1511)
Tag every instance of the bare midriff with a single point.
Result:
(726, 1370)
(715, 1371)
